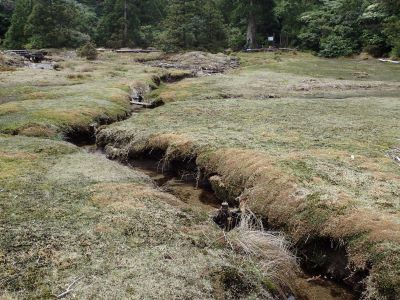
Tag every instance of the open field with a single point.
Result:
(303, 141)
(72, 218)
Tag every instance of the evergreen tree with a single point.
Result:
(50, 23)
(373, 39)
(193, 24)
(250, 21)
(391, 25)
(119, 24)
(16, 36)
(328, 27)
(6, 9)
(212, 35)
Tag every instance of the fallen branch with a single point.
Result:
(389, 60)
(69, 288)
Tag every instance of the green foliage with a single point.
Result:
(45, 23)
(237, 15)
(193, 24)
(88, 50)
(15, 36)
(119, 24)
(6, 9)
(327, 27)
(50, 24)
(340, 27)
(334, 46)
(392, 29)
(237, 38)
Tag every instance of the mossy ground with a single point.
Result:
(305, 140)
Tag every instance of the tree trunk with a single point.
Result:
(125, 24)
(251, 28)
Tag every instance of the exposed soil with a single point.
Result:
(86, 135)
(201, 63)
(181, 184)
(11, 60)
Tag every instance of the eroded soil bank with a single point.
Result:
(310, 162)
(222, 141)
(182, 179)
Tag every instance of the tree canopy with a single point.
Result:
(329, 28)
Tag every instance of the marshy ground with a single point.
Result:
(303, 140)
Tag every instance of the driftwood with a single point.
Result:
(144, 104)
(273, 49)
(389, 60)
(35, 57)
(136, 50)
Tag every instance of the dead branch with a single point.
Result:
(69, 288)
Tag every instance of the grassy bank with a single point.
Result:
(303, 141)
(56, 103)
(73, 219)
(67, 215)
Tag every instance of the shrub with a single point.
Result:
(88, 50)
(335, 46)
(236, 39)
(309, 40)
(375, 44)
(395, 53)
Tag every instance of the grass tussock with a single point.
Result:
(270, 250)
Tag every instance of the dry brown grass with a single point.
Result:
(38, 131)
(270, 250)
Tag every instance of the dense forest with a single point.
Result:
(329, 28)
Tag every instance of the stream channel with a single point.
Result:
(183, 185)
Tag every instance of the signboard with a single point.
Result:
(270, 39)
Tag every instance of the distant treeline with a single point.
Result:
(327, 27)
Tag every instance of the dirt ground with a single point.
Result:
(201, 63)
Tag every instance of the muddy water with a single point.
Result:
(183, 186)
(318, 288)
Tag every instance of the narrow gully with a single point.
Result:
(180, 180)
(183, 185)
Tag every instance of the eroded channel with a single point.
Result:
(183, 180)
(184, 184)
